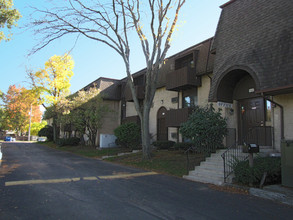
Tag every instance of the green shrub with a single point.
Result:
(73, 141)
(128, 135)
(47, 131)
(205, 128)
(245, 174)
(163, 144)
(182, 146)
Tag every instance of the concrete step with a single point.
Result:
(212, 166)
(210, 171)
(208, 176)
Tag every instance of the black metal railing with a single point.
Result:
(232, 155)
(261, 135)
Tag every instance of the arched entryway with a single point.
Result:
(162, 129)
(241, 86)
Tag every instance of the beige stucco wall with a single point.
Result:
(162, 99)
(203, 91)
(287, 102)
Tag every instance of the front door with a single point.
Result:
(162, 129)
(252, 122)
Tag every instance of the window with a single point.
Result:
(174, 100)
(185, 61)
(189, 101)
(268, 110)
(190, 98)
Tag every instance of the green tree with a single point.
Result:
(53, 84)
(205, 128)
(2, 119)
(8, 18)
(86, 112)
(36, 127)
(114, 24)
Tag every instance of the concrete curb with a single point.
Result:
(275, 193)
(121, 154)
(281, 197)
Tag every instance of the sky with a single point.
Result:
(198, 20)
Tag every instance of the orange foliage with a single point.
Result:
(18, 102)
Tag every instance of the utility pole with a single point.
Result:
(29, 128)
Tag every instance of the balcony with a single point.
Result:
(175, 117)
(129, 119)
(139, 91)
(182, 79)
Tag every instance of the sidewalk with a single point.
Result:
(276, 193)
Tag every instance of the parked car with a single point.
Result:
(42, 139)
(8, 138)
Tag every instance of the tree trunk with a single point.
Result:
(54, 129)
(145, 134)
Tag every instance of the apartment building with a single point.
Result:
(253, 48)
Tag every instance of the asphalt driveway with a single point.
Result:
(37, 182)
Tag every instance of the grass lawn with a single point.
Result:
(87, 151)
(167, 162)
(163, 161)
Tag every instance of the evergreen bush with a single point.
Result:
(73, 141)
(128, 135)
(47, 131)
(205, 128)
(163, 145)
(246, 175)
(182, 146)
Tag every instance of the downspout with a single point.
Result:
(208, 57)
(178, 106)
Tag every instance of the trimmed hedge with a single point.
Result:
(163, 144)
(73, 141)
(182, 146)
(246, 175)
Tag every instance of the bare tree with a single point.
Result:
(112, 24)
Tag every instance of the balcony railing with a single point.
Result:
(182, 79)
(175, 117)
(139, 91)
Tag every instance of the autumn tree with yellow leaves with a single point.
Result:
(53, 83)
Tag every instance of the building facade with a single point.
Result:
(253, 49)
(245, 69)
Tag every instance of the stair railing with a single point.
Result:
(230, 156)
(234, 153)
